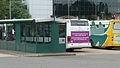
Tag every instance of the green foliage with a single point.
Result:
(4, 9)
(18, 9)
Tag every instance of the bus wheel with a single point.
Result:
(69, 50)
(109, 48)
(92, 44)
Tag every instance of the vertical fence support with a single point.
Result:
(17, 35)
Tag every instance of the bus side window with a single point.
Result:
(103, 25)
(97, 26)
(93, 25)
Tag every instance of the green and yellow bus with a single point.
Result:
(105, 37)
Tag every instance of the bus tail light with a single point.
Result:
(112, 38)
(69, 38)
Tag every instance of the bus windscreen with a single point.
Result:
(79, 23)
(116, 25)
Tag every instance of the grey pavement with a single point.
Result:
(10, 53)
(84, 51)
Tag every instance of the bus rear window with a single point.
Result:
(79, 23)
(116, 26)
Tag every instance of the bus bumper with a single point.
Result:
(77, 45)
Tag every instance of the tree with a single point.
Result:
(82, 8)
(103, 10)
(18, 9)
(4, 9)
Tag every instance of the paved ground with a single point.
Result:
(84, 51)
(7, 55)
(84, 58)
(81, 61)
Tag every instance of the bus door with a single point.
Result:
(62, 33)
(116, 33)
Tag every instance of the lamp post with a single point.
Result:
(10, 8)
(54, 10)
(68, 10)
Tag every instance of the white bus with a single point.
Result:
(77, 34)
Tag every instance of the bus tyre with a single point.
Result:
(69, 50)
(92, 44)
(109, 48)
